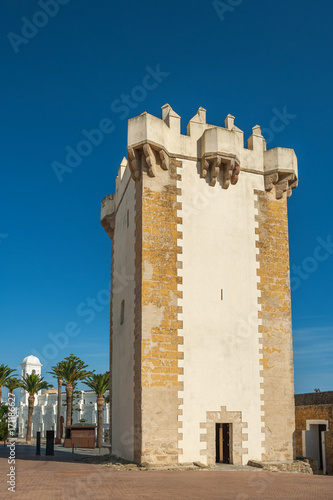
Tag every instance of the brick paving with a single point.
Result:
(54, 479)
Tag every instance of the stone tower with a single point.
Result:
(201, 339)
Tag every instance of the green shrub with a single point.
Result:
(3, 422)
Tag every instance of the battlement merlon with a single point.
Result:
(220, 149)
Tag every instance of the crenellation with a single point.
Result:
(197, 125)
(171, 118)
(122, 168)
(229, 122)
(153, 141)
(256, 142)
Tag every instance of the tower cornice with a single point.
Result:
(220, 150)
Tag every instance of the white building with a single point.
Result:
(201, 338)
(45, 409)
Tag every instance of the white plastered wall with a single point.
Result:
(221, 340)
(123, 335)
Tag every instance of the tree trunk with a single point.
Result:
(0, 394)
(31, 402)
(69, 402)
(100, 404)
(59, 408)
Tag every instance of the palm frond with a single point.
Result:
(5, 373)
(12, 383)
(98, 383)
(74, 369)
(33, 383)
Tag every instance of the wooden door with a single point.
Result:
(223, 437)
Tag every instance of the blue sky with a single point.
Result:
(249, 58)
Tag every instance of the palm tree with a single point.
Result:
(5, 373)
(73, 370)
(57, 373)
(100, 384)
(12, 383)
(32, 384)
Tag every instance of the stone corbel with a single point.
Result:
(165, 160)
(150, 160)
(147, 154)
(283, 182)
(109, 224)
(133, 163)
(108, 214)
(228, 165)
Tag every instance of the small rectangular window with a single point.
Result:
(122, 312)
(221, 294)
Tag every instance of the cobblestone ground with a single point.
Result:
(54, 479)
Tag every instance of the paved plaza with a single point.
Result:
(63, 477)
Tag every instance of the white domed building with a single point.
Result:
(45, 409)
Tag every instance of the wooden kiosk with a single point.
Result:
(80, 436)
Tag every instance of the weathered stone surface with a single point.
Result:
(156, 345)
(277, 363)
(296, 466)
(314, 398)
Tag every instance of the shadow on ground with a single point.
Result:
(28, 452)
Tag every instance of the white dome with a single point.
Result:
(31, 360)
